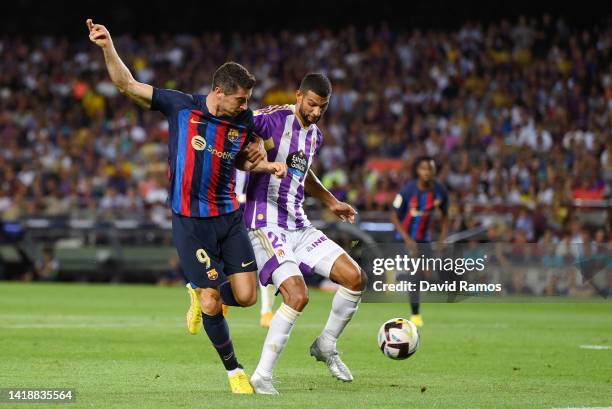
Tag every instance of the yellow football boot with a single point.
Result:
(417, 320)
(239, 383)
(265, 319)
(194, 314)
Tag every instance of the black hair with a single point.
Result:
(418, 161)
(231, 76)
(317, 83)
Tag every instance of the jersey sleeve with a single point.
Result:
(443, 200)
(262, 124)
(250, 127)
(401, 201)
(319, 142)
(169, 101)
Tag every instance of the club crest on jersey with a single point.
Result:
(198, 143)
(280, 253)
(233, 134)
(212, 274)
(297, 163)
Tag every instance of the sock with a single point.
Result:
(267, 298)
(415, 296)
(278, 335)
(233, 372)
(344, 306)
(227, 295)
(218, 332)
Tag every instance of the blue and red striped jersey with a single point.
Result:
(414, 208)
(202, 149)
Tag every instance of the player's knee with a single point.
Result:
(211, 304)
(358, 280)
(297, 300)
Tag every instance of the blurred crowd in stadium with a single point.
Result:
(515, 113)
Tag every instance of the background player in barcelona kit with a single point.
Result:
(414, 206)
(285, 243)
(207, 135)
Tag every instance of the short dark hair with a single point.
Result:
(317, 83)
(418, 161)
(230, 76)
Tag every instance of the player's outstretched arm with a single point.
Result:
(314, 187)
(121, 76)
(253, 158)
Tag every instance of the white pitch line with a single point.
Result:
(598, 348)
(96, 325)
(588, 407)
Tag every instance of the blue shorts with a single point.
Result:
(211, 248)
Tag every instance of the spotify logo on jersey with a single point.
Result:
(198, 143)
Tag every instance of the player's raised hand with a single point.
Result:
(278, 169)
(98, 34)
(344, 211)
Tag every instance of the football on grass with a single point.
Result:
(398, 338)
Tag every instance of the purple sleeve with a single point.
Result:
(270, 121)
(319, 142)
(262, 126)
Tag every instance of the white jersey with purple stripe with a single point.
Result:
(274, 202)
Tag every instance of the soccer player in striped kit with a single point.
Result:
(413, 210)
(286, 244)
(208, 136)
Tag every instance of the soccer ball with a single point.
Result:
(398, 338)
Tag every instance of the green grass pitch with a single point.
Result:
(126, 346)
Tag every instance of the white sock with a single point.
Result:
(278, 335)
(233, 372)
(344, 306)
(267, 298)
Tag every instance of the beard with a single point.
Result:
(306, 118)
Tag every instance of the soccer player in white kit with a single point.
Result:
(286, 244)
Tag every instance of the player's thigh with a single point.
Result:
(314, 250)
(196, 244)
(238, 257)
(272, 249)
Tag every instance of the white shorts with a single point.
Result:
(309, 248)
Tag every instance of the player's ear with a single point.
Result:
(298, 94)
(218, 91)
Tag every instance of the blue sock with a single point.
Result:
(218, 332)
(227, 296)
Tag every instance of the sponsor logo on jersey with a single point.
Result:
(415, 213)
(198, 143)
(297, 163)
(315, 243)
